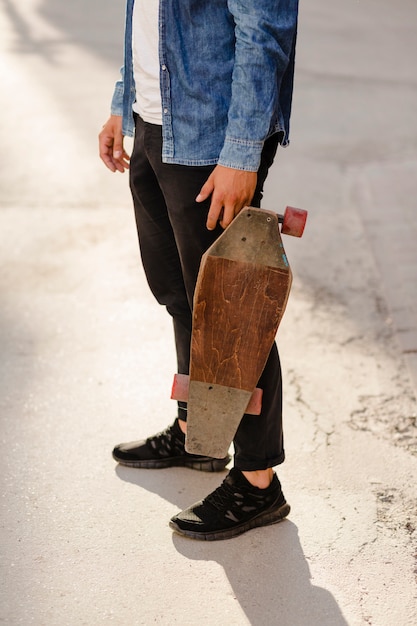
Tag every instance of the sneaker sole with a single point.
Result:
(207, 465)
(267, 518)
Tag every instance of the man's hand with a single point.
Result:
(111, 148)
(230, 191)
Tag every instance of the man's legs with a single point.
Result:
(173, 236)
(163, 269)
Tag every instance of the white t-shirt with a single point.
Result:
(145, 43)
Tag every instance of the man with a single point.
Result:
(206, 90)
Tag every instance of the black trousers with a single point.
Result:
(172, 238)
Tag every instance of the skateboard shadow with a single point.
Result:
(267, 570)
(270, 577)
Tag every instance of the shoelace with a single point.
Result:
(224, 496)
(228, 496)
(165, 440)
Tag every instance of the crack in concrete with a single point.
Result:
(318, 431)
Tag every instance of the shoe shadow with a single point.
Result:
(270, 577)
(179, 485)
(266, 567)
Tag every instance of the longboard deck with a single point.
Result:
(240, 297)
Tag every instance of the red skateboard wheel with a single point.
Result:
(294, 222)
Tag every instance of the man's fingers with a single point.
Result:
(114, 159)
(224, 215)
(121, 160)
(206, 190)
(230, 191)
(228, 215)
(111, 150)
(105, 144)
(215, 214)
(118, 148)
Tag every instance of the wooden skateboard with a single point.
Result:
(240, 297)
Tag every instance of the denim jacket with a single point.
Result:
(226, 78)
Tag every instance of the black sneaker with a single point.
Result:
(233, 508)
(165, 449)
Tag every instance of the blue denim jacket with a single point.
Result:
(226, 77)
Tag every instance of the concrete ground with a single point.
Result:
(87, 357)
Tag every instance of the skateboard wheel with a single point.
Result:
(180, 387)
(294, 222)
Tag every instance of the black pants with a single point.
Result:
(173, 236)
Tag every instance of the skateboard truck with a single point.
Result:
(240, 297)
(181, 387)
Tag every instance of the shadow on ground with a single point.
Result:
(98, 29)
(267, 569)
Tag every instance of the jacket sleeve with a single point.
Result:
(117, 99)
(265, 34)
